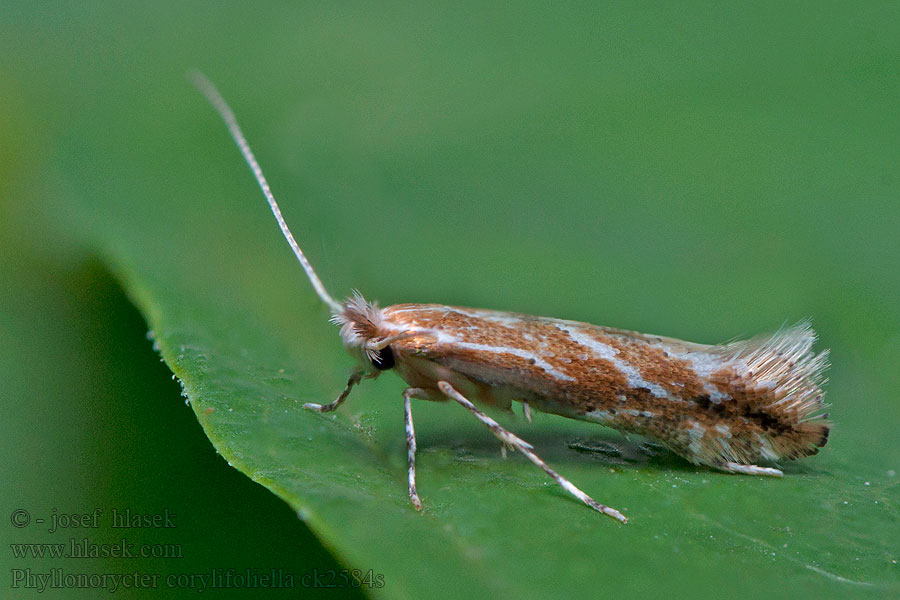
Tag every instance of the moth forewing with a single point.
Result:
(738, 403)
(727, 406)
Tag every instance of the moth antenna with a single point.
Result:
(218, 102)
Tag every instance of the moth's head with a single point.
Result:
(363, 333)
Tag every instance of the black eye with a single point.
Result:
(383, 359)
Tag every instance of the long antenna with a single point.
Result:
(218, 102)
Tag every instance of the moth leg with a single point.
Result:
(355, 378)
(526, 410)
(504, 447)
(733, 467)
(411, 444)
(514, 441)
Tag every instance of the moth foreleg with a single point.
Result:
(733, 467)
(411, 443)
(514, 441)
(355, 378)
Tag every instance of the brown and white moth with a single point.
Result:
(727, 406)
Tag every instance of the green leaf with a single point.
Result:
(696, 174)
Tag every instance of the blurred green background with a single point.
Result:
(701, 171)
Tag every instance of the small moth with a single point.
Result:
(727, 406)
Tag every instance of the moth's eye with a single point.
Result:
(383, 359)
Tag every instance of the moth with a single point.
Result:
(727, 406)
